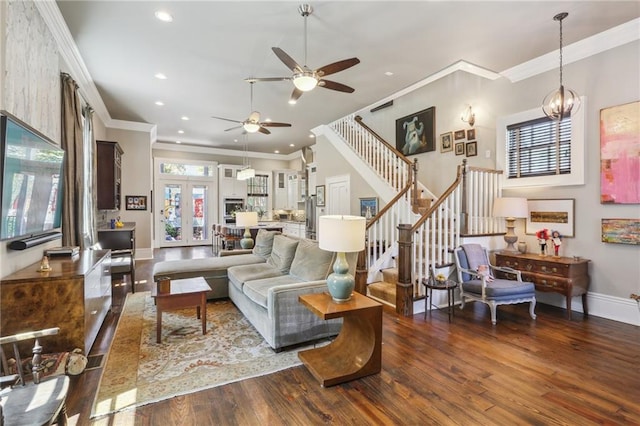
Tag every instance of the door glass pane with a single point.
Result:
(172, 212)
(199, 213)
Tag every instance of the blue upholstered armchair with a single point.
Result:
(478, 282)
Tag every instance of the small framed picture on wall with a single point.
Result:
(471, 134)
(472, 149)
(460, 148)
(459, 134)
(320, 201)
(446, 142)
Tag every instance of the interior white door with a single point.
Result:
(338, 199)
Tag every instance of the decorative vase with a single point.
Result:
(522, 247)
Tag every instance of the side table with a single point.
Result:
(357, 351)
(448, 285)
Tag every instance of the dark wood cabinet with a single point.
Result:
(564, 275)
(74, 295)
(109, 175)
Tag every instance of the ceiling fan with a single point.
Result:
(253, 123)
(304, 78)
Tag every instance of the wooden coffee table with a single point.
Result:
(184, 293)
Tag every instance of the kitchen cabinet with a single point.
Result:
(228, 183)
(294, 229)
(109, 175)
(311, 173)
(288, 191)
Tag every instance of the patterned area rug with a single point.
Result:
(139, 371)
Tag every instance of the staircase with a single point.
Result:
(414, 229)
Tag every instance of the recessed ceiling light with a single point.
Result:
(312, 135)
(388, 73)
(161, 76)
(178, 142)
(164, 16)
(159, 103)
(268, 120)
(292, 101)
(235, 140)
(185, 118)
(276, 151)
(181, 131)
(292, 144)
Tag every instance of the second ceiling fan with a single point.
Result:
(253, 123)
(304, 78)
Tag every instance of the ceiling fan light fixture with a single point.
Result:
(305, 82)
(250, 127)
(562, 101)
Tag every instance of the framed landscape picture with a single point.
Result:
(552, 215)
(621, 231)
(416, 133)
(459, 134)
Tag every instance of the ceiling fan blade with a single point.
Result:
(227, 119)
(327, 84)
(254, 117)
(263, 130)
(287, 60)
(295, 95)
(337, 66)
(232, 128)
(274, 124)
(253, 80)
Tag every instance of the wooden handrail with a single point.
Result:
(389, 205)
(400, 155)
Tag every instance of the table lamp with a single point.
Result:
(341, 234)
(246, 220)
(510, 208)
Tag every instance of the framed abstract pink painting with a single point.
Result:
(620, 154)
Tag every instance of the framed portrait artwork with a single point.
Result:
(472, 149)
(416, 133)
(369, 207)
(446, 142)
(471, 134)
(554, 215)
(460, 148)
(320, 196)
(135, 202)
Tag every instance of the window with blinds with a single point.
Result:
(258, 193)
(539, 147)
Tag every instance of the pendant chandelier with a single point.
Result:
(561, 102)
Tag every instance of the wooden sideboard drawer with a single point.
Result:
(564, 275)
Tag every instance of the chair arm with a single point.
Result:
(508, 270)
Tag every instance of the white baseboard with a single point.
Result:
(600, 305)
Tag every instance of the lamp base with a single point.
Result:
(510, 237)
(246, 242)
(341, 283)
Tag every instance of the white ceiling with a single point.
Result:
(212, 46)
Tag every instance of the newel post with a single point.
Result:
(464, 214)
(404, 287)
(361, 272)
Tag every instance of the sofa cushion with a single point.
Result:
(282, 253)
(238, 275)
(310, 262)
(258, 290)
(500, 288)
(264, 243)
(206, 267)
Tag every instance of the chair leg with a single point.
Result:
(532, 307)
(493, 308)
(61, 419)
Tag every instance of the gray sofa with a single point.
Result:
(266, 283)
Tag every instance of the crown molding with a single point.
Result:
(609, 39)
(135, 126)
(199, 149)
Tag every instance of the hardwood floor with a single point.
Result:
(467, 372)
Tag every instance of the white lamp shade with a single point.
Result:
(246, 219)
(510, 207)
(340, 233)
(251, 127)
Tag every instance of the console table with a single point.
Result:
(74, 295)
(564, 275)
(357, 351)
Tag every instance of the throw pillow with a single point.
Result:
(311, 263)
(264, 243)
(282, 253)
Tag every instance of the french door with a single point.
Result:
(184, 213)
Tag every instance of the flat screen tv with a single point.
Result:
(32, 180)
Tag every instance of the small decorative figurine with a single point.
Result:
(542, 236)
(556, 239)
(44, 264)
(483, 271)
